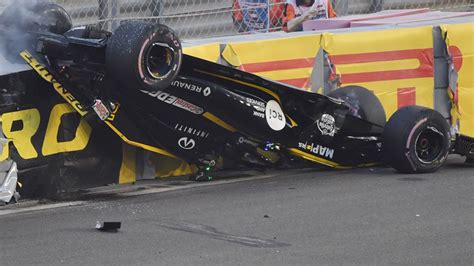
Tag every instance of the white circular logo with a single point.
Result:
(206, 91)
(186, 143)
(275, 116)
(327, 125)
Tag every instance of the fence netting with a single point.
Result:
(213, 18)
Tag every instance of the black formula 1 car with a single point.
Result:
(137, 81)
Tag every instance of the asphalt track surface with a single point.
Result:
(304, 217)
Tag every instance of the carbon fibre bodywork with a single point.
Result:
(211, 111)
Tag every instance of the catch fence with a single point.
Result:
(213, 18)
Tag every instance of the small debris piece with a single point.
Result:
(266, 216)
(108, 226)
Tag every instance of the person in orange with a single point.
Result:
(298, 11)
(276, 11)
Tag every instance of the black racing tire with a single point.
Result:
(416, 140)
(362, 103)
(143, 56)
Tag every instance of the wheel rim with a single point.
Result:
(159, 60)
(429, 145)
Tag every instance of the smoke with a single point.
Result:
(16, 19)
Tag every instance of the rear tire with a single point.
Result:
(416, 140)
(143, 56)
(362, 103)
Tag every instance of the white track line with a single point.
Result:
(42, 207)
(133, 193)
(193, 185)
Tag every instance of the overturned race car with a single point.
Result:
(137, 81)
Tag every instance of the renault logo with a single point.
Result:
(206, 91)
(186, 143)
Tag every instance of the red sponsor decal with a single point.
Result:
(424, 57)
(278, 65)
(300, 83)
(406, 97)
(188, 106)
(282, 65)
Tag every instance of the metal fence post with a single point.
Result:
(268, 15)
(103, 13)
(341, 7)
(156, 9)
(108, 9)
(377, 5)
(114, 13)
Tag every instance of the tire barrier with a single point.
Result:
(396, 64)
(402, 66)
(277, 59)
(460, 40)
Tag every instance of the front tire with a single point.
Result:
(143, 56)
(416, 140)
(362, 103)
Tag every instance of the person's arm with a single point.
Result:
(237, 12)
(296, 22)
(331, 12)
(237, 17)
